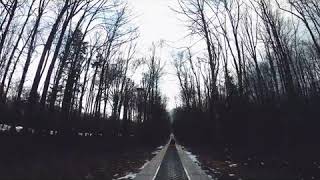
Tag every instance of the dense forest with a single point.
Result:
(66, 70)
(255, 82)
(82, 97)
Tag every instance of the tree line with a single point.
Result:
(66, 68)
(255, 80)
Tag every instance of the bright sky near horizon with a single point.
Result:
(157, 21)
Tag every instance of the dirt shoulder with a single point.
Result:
(227, 164)
(90, 159)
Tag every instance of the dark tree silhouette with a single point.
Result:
(87, 56)
(264, 86)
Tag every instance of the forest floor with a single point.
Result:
(239, 165)
(91, 159)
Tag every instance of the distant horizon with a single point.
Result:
(158, 22)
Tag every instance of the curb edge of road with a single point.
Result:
(142, 175)
(200, 174)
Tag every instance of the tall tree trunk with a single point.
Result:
(31, 48)
(59, 72)
(85, 79)
(16, 46)
(46, 49)
(53, 61)
(13, 8)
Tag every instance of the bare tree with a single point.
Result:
(29, 14)
(41, 8)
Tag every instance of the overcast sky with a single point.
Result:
(157, 21)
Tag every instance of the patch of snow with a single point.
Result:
(192, 157)
(158, 149)
(231, 175)
(128, 176)
(144, 165)
(155, 152)
(195, 160)
(215, 170)
(4, 127)
(233, 165)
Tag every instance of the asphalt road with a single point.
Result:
(171, 167)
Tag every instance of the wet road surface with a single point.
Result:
(171, 167)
